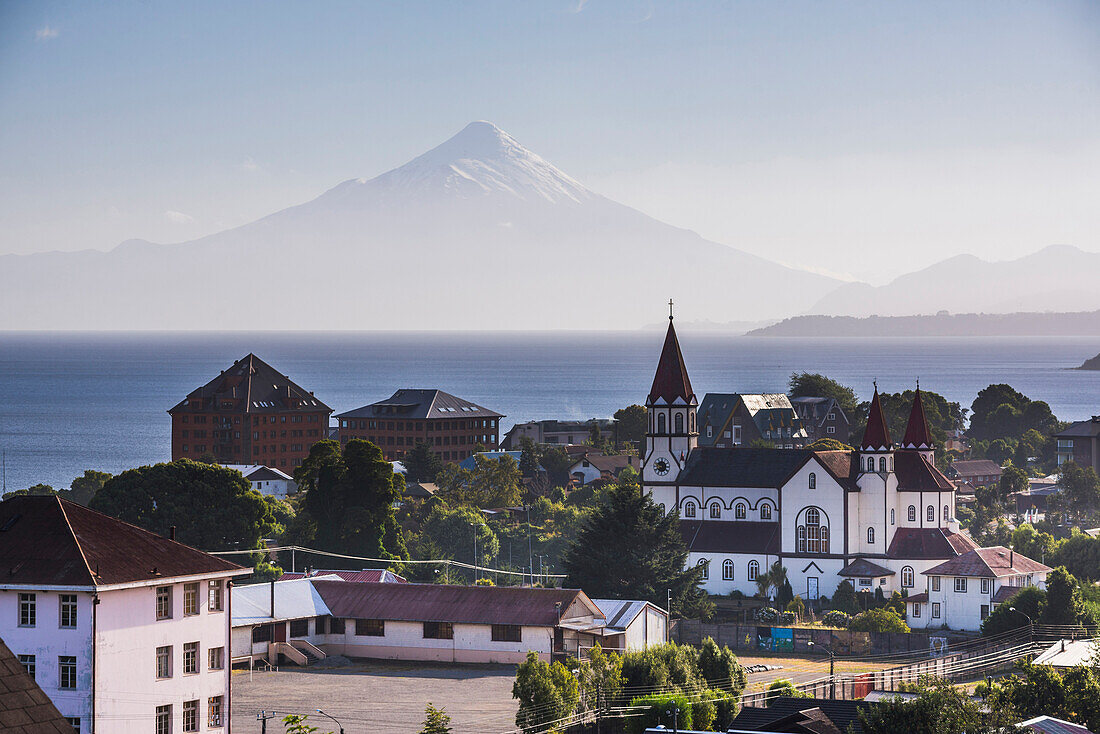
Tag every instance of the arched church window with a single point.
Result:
(871, 464)
(824, 539)
(882, 464)
(891, 516)
(813, 480)
(679, 420)
(816, 535)
(801, 538)
(739, 511)
(727, 570)
(907, 577)
(765, 511)
(715, 510)
(754, 570)
(692, 420)
(946, 513)
(870, 535)
(661, 424)
(931, 513)
(912, 513)
(706, 567)
(689, 509)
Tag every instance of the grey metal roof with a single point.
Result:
(725, 536)
(619, 613)
(863, 568)
(740, 467)
(422, 404)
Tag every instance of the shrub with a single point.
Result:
(654, 712)
(768, 615)
(796, 607)
(836, 618)
(782, 688)
(878, 620)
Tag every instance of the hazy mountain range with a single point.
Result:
(480, 233)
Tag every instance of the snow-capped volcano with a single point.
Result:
(477, 233)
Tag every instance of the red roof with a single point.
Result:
(671, 381)
(993, 562)
(48, 541)
(917, 598)
(917, 435)
(366, 576)
(917, 474)
(877, 435)
(23, 705)
(928, 543)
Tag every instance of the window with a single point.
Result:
(74, 722)
(190, 599)
(164, 661)
(190, 715)
(214, 710)
(661, 424)
(710, 431)
(935, 583)
(882, 463)
(813, 480)
(935, 610)
(375, 628)
(801, 538)
(946, 513)
(960, 584)
(679, 421)
(865, 582)
(689, 509)
(164, 602)
(67, 611)
(215, 596)
(715, 510)
(727, 570)
(870, 535)
(66, 672)
(891, 516)
(190, 657)
(705, 565)
(912, 513)
(261, 633)
(754, 570)
(438, 631)
(765, 511)
(984, 611)
(164, 719)
(907, 577)
(830, 429)
(824, 540)
(507, 633)
(813, 537)
(739, 511)
(871, 464)
(985, 586)
(916, 609)
(215, 658)
(28, 663)
(299, 628)
(930, 514)
(27, 610)
(336, 626)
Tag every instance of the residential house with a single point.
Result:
(557, 432)
(801, 716)
(960, 593)
(976, 472)
(470, 462)
(249, 414)
(731, 419)
(816, 512)
(267, 480)
(1032, 503)
(1080, 443)
(1069, 653)
(822, 418)
(594, 465)
(24, 707)
(632, 625)
(119, 625)
(453, 427)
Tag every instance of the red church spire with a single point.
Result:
(877, 435)
(671, 381)
(917, 435)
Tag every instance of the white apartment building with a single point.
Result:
(123, 629)
(960, 593)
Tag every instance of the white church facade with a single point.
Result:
(879, 516)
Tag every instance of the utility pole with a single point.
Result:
(530, 552)
(262, 717)
(475, 551)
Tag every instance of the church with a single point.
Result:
(879, 516)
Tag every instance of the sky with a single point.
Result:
(858, 139)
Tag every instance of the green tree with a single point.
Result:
(493, 482)
(844, 599)
(631, 425)
(939, 708)
(1080, 554)
(1065, 604)
(350, 495)
(37, 490)
(556, 461)
(828, 444)
(1007, 616)
(1073, 694)
(719, 668)
(546, 693)
(211, 507)
(601, 678)
(436, 721)
(813, 385)
(83, 488)
(1033, 544)
(1080, 495)
(298, 724)
(421, 464)
(628, 548)
(451, 536)
(528, 457)
(878, 620)
(1000, 412)
(782, 688)
(1012, 480)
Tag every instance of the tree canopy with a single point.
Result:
(421, 464)
(631, 425)
(493, 482)
(1000, 412)
(211, 507)
(813, 385)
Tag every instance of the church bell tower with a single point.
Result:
(671, 408)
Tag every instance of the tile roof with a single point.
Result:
(917, 434)
(917, 474)
(724, 536)
(443, 603)
(920, 598)
(422, 404)
(48, 541)
(928, 543)
(252, 385)
(877, 436)
(366, 576)
(671, 379)
(24, 708)
(993, 562)
(739, 467)
(863, 568)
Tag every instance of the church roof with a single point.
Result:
(917, 435)
(737, 467)
(877, 435)
(928, 543)
(671, 381)
(724, 536)
(917, 474)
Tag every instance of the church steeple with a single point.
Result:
(671, 384)
(876, 437)
(672, 409)
(917, 435)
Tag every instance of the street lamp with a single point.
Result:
(674, 712)
(832, 681)
(322, 713)
(1030, 631)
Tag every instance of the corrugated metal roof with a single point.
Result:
(730, 536)
(620, 612)
(366, 576)
(295, 599)
(1051, 725)
(1068, 653)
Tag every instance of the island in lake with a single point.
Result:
(1082, 323)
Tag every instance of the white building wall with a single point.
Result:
(472, 643)
(716, 584)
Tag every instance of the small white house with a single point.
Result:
(632, 624)
(591, 467)
(267, 480)
(963, 591)
(123, 629)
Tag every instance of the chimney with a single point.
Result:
(1011, 558)
(172, 533)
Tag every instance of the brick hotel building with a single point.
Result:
(249, 414)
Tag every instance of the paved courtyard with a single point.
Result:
(379, 697)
